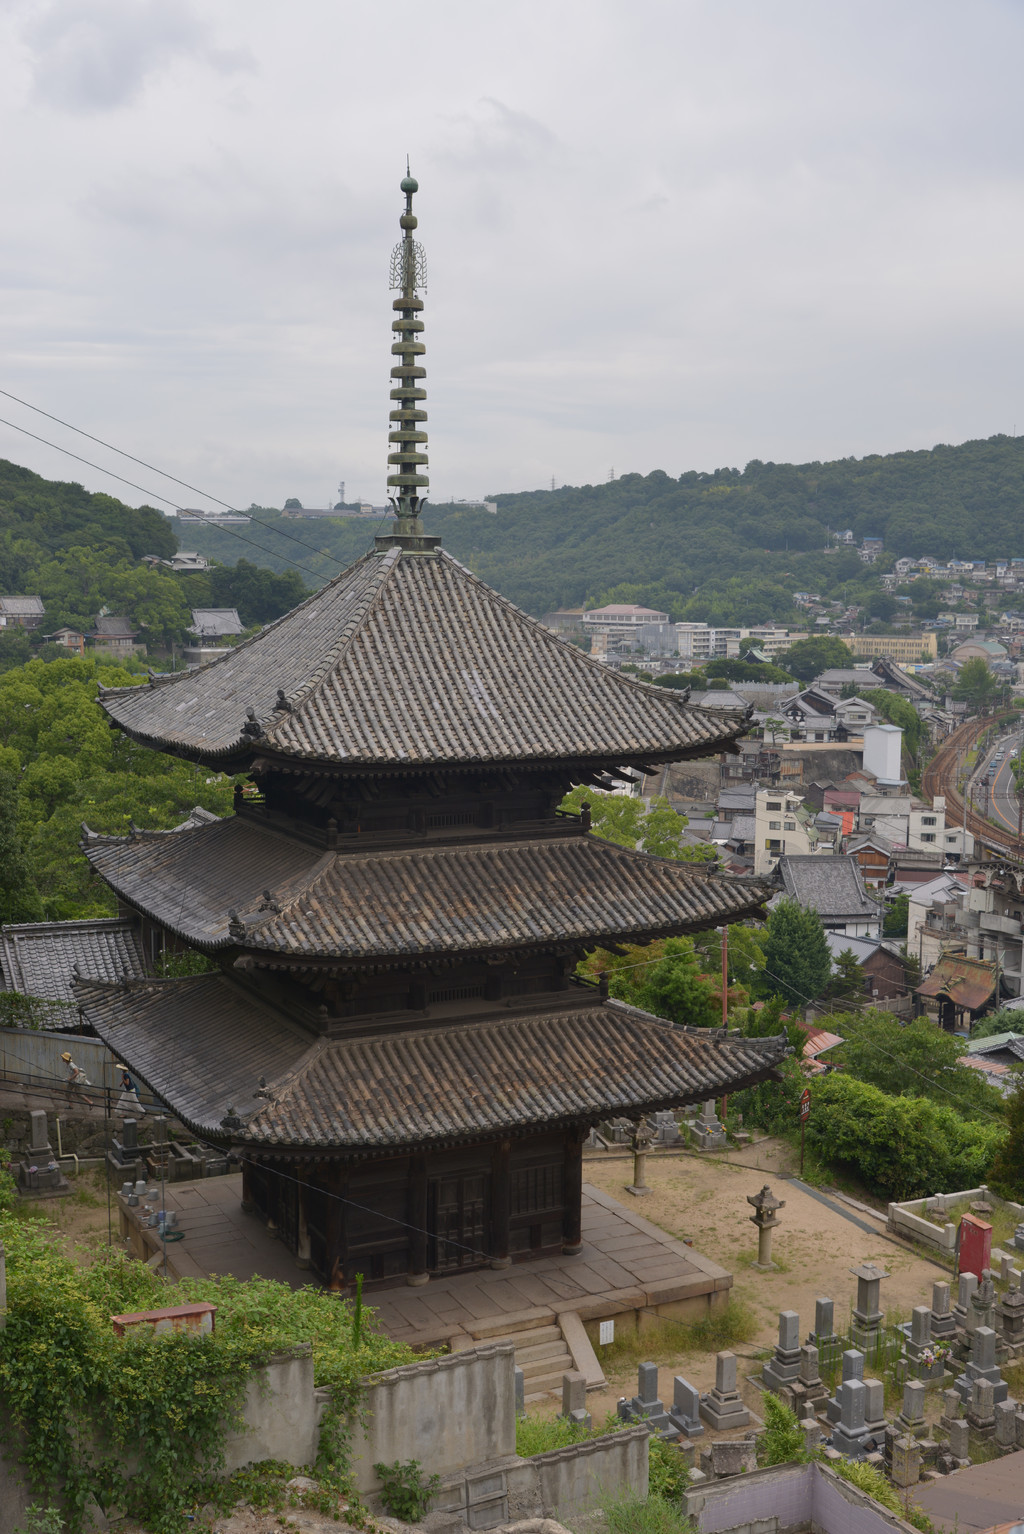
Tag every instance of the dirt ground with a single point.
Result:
(704, 1199)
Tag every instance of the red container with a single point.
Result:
(975, 1245)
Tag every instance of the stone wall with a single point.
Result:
(787, 1498)
(282, 1413)
(922, 1219)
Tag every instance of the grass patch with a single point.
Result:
(650, 1515)
(664, 1339)
(1013, 1374)
(539, 1435)
(1003, 1223)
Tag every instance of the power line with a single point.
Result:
(280, 531)
(173, 504)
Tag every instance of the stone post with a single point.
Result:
(642, 1138)
(574, 1397)
(783, 1367)
(867, 1313)
(520, 1388)
(942, 1325)
(824, 1321)
(906, 1462)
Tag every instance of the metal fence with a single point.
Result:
(31, 1057)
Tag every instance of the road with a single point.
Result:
(1002, 807)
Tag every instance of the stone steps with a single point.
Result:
(541, 1350)
(543, 1361)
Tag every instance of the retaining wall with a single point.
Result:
(786, 1498)
(916, 1218)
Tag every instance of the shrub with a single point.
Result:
(782, 1442)
(867, 1479)
(669, 1475)
(650, 1515)
(903, 1147)
(404, 1491)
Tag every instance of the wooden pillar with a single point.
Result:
(572, 1235)
(500, 1204)
(302, 1247)
(248, 1202)
(418, 1270)
(336, 1182)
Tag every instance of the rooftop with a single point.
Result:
(206, 1046)
(408, 660)
(288, 897)
(832, 886)
(39, 958)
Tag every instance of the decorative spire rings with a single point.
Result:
(407, 460)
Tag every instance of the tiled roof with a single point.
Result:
(38, 959)
(113, 627)
(965, 982)
(439, 899)
(21, 607)
(216, 620)
(832, 886)
(203, 1044)
(408, 660)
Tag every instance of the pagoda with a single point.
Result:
(393, 1040)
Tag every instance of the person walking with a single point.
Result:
(76, 1078)
(128, 1102)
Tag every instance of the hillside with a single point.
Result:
(81, 552)
(746, 538)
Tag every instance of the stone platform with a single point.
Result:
(627, 1265)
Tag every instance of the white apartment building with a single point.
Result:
(781, 826)
(699, 642)
(621, 618)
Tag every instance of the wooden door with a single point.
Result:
(459, 1215)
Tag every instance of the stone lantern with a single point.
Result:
(765, 1206)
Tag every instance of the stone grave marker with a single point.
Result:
(851, 1431)
(911, 1421)
(722, 1408)
(783, 1368)
(943, 1323)
(685, 1413)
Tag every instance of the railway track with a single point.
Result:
(940, 777)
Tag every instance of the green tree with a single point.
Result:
(897, 916)
(18, 898)
(744, 956)
(629, 822)
(746, 671)
(896, 710)
(809, 657)
(848, 976)
(665, 978)
(915, 1059)
(1006, 1174)
(1003, 1021)
(975, 684)
(796, 957)
(682, 679)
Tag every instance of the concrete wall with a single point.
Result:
(789, 1497)
(912, 1219)
(579, 1477)
(449, 1413)
(282, 1412)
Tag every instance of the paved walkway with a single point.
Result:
(626, 1263)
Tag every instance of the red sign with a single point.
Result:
(805, 1104)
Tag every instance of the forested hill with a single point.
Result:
(729, 546)
(81, 552)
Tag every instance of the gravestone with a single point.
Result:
(733, 1457)
(951, 1405)
(981, 1409)
(39, 1174)
(824, 1322)
(783, 1368)
(1018, 1238)
(911, 1421)
(906, 1462)
(919, 1349)
(1010, 1317)
(982, 1366)
(851, 1431)
(722, 1408)
(966, 1286)
(685, 1413)
(853, 1369)
(874, 1409)
(943, 1323)
(125, 1154)
(981, 1309)
(646, 1405)
(574, 1398)
(808, 1390)
(960, 1442)
(708, 1131)
(867, 1313)
(1006, 1426)
(664, 1127)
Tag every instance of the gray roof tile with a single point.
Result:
(38, 959)
(407, 660)
(832, 886)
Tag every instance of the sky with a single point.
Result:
(668, 234)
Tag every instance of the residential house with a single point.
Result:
(884, 967)
(114, 635)
(216, 622)
(21, 612)
(874, 854)
(783, 825)
(835, 889)
(71, 639)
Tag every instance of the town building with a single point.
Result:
(21, 612)
(113, 635)
(909, 649)
(71, 639)
(832, 887)
(395, 1042)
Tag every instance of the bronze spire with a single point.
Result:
(407, 460)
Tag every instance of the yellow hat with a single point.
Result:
(66, 1055)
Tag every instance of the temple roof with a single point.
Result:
(289, 898)
(407, 660)
(39, 959)
(202, 1045)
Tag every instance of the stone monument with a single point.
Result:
(708, 1130)
(39, 1174)
(867, 1313)
(943, 1323)
(783, 1368)
(722, 1408)
(765, 1206)
(685, 1413)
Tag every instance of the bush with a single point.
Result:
(782, 1442)
(902, 1147)
(404, 1491)
(669, 1474)
(650, 1515)
(867, 1479)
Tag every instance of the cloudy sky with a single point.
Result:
(660, 234)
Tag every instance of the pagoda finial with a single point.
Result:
(407, 460)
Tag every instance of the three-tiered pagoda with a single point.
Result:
(394, 1041)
